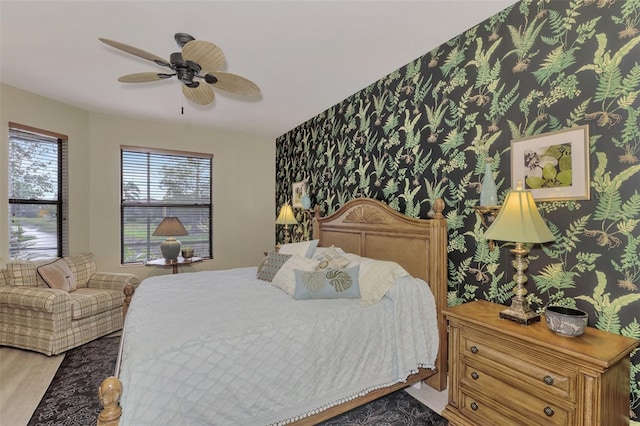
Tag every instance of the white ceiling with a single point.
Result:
(305, 55)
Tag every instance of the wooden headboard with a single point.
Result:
(370, 228)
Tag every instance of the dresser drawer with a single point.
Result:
(482, 411)
(522, 366)
(481, 381)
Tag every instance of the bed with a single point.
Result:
(364, 229)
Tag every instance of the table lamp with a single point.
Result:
(286, 218)
(519, 221)
(170, 227)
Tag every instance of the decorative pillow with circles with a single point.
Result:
(321, 250)
(330, 258)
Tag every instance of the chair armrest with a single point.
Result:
(112, 280)
(35, 298)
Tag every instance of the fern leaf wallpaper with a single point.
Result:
(426, 131)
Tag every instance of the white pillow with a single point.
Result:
(58, 275)
(285, 279)
(304, 248)
(376, 277)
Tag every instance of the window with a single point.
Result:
(160, 183)
(37, 193)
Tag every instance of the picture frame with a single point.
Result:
(553, 166)
(298, 190)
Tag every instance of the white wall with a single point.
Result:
(243, 180)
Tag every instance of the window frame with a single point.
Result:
(124, 204)
(62, 202)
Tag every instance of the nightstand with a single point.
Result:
(505, 373)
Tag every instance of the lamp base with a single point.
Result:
(518, 317)
(170, 249)
(520, 312)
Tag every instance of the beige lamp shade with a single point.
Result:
(519, 220)
(170, 227)
(286, 216)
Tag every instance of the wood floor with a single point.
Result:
(430, 397)
(24, 378)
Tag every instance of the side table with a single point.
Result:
(162, 263)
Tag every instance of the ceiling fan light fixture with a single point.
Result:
(183, 38)
(196, 56)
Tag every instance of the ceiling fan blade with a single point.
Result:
(135, 51)
(142, 77)
(204, 53)
(201, 95)
(235, 84)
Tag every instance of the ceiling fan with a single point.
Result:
(198, 60)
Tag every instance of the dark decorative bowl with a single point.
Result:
(566, 321)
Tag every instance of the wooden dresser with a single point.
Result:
(503, 373)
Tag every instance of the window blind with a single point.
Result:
(160, 183)
(38, 193)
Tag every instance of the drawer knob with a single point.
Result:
(474, 350)
(549, 411)
(548, 380)
(474, 406)
(474, 376)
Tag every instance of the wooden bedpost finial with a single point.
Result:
(314, 221)
(128, 291)
(109, 393)
(438, 208)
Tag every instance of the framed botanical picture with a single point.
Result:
(299, 189)
(553, 166)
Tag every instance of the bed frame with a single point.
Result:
(368, 228)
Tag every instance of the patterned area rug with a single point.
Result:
(72, 398)
(396, 409)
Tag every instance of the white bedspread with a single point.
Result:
(223, 348)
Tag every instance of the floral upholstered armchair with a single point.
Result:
(54, 305)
